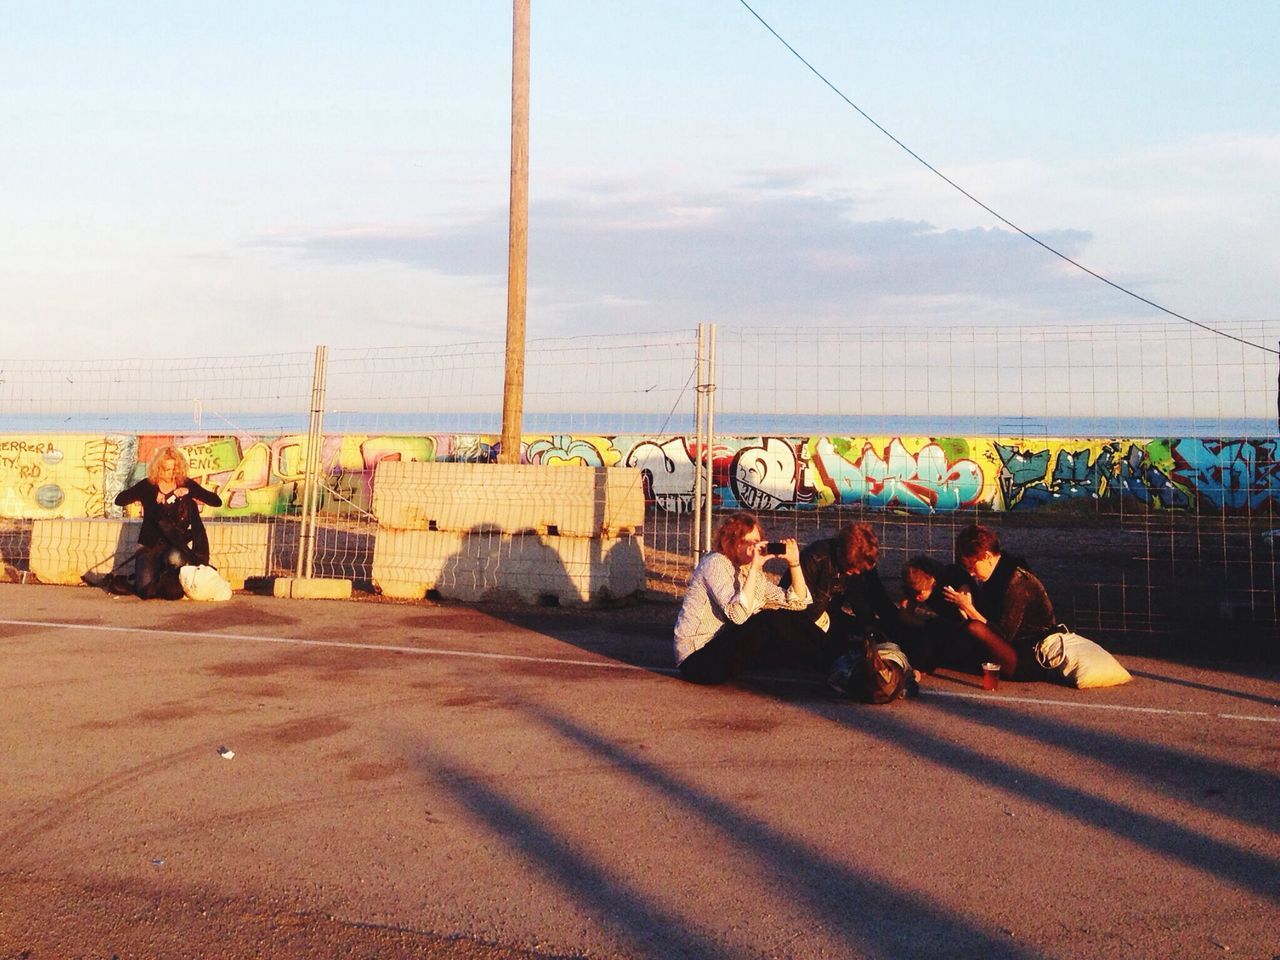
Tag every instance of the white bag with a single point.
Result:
(1080, 661)
(203, 583)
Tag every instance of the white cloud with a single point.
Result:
(757, 256)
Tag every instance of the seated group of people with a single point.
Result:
(985, 607)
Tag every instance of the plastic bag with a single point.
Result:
(1079, 661)
(203, 583)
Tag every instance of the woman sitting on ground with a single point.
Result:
(724, 624)
(1009, 611)
(172, 533)
(931, 625)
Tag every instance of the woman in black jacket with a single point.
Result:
(172, 533)
(1009, 611)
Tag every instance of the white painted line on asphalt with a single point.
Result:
(342, 644)
(988, 697)
(610, 665)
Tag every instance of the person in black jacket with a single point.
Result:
(1009, 611)
(850, 602)
(172, 533)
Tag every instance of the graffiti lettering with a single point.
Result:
(765, 477)
(79, 476)
(1231, 475)
(668, 472)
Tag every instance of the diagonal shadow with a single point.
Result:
(643, 923)
(1250, 871)
(887, 920)
(1249, 793)
(1193, 685)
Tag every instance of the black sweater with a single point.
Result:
(175, 522)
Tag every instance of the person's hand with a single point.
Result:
(181, 492)
(792, 555)
(963, 601)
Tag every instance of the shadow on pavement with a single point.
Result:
(869, 915)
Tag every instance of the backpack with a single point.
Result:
(879, 673)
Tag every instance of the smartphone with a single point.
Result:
(775, 548)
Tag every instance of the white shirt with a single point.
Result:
(716, 598)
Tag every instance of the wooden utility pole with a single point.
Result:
(518, 246)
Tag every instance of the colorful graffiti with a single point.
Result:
(79, 475)
(61, 476)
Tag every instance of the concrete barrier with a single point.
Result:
(535, 534)
(533, 569)
(63, 551)
(560, 501)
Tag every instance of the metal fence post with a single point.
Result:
(709, 448)
(695, 542)
(312, 467)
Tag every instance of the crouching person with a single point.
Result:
(1008, 612)
(862, 625)
(172, 534)
(730, 619)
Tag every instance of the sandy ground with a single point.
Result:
(419, 780)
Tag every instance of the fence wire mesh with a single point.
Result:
(587, 400)
(1135, 468)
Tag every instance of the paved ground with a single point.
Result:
(436, 781)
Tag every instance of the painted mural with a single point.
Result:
(72, 475)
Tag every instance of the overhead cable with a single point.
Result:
(1003, 219)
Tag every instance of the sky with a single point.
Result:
(185, 179)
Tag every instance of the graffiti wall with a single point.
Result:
(69, 475)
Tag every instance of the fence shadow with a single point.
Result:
(1239, 793)
(15, 548)
(1207, 687)
(870, 916)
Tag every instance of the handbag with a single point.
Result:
(1079, 661)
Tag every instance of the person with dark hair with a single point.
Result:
(1009, 610)
(725, 622)
(172, 533)
(930, 623)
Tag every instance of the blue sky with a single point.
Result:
(189, 179)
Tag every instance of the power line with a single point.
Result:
(1003, 219)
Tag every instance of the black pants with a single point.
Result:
(939, 642)
(770, 638)
(155, 575)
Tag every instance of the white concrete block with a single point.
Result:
(566, 501)
(64, 550)
(490, 566)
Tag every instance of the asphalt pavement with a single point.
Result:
(293, 778)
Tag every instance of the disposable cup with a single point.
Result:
(991, 676)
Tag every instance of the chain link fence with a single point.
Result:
(1136, 469)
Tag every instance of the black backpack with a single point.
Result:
(878, 673)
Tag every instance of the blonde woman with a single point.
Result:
(172, 533)
(723, 625)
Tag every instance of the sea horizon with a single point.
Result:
(633, 424)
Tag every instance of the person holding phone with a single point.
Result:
(1008, 611)
(725, 623)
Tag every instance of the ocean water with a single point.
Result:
(610, 424)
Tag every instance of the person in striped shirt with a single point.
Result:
(725, 623)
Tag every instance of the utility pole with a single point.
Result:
(518, 245)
